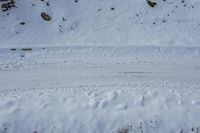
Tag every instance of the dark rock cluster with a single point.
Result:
(7, 4)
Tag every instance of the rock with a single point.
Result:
(6, 5)
(122, 130)
(45, 16)
(151, 3)
(22, 23)
(112, 8)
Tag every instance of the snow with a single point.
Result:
(99, 89)
(91, 23)
(63, 110)
(100, 66)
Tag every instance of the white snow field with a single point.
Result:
(100, 90)
(101, 22)
(100, 66)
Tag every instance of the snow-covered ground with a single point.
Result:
(101, 22)
(100, 66)
(99, 90)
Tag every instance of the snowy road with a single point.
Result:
(71, 66)
(106, 92)
(78, 75)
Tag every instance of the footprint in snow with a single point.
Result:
(111, 95)
(194, 102)
(93, 103)
(9, 104)
(15, 110)
(180, 102)
(121, 107)
(103, 103)
(63, 99)
(139, 100)
(44, 106)
(70, 101)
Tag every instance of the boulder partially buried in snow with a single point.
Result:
(45, 16)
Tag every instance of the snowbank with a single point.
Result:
(89, 109)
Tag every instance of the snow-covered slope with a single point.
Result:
(101, 22)
(100, 66)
